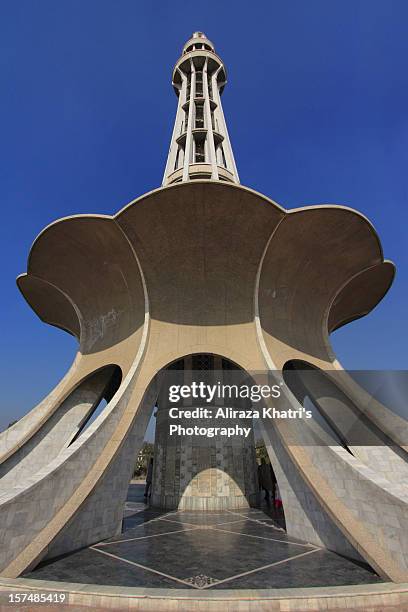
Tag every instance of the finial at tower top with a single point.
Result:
(198, 41)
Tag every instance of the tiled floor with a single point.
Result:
(224, 550)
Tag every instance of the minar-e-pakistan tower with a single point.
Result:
(204, 274)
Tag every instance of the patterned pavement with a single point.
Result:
(214, 550)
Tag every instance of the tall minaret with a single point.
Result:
(200, 146)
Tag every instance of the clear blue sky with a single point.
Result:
(316, 105)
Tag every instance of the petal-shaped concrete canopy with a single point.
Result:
(200, 267)
(200, 244)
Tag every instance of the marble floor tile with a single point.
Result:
(243, 549)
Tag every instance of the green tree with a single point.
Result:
(142, 459)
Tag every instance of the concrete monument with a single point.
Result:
(202, 265)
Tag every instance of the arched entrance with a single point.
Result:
(204, 457)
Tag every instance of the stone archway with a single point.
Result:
(199, 472)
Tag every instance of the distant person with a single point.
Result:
(149, 478)
(265, 479)
(274, 483)
(277, 499)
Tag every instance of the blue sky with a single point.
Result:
(316, 106)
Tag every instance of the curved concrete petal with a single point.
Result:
(50, 303)
(58, 431)
(86, 265)
(360, 294)
(192, 241)
(309, 258)
(64, 262)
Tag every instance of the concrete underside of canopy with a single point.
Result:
(200, 267)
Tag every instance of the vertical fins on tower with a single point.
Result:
(200, 147)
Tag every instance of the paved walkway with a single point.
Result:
(182, 550)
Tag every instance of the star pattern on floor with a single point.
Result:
(212, 550)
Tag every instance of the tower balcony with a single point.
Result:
(181, 140)
(213, 105)
(225, 175)
(199, 133)
(198, 57)
(200, 171)
(218, 138)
